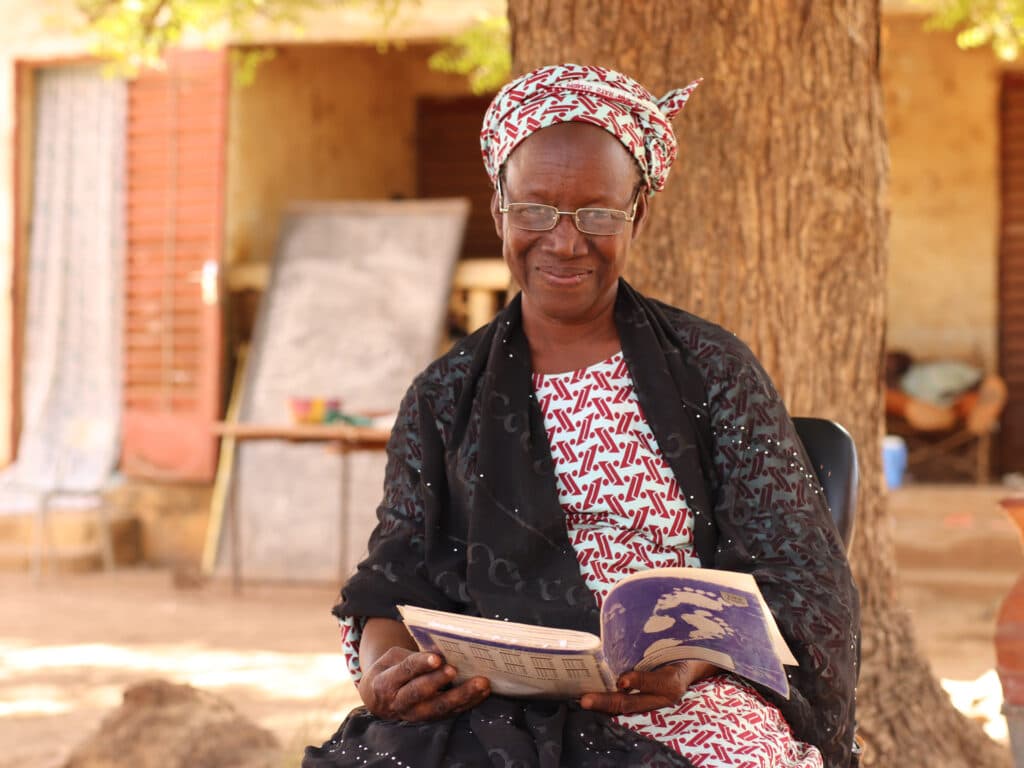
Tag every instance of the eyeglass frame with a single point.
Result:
(504, 208)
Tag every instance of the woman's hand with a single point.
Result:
(643, 691)
(412, 685)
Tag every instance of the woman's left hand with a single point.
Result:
(643, 691)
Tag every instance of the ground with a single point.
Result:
(71, 643)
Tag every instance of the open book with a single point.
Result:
(648, 619)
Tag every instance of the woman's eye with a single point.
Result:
(536, 210)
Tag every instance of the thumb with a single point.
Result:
(669, 681)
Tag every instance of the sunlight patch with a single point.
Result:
(273, 674)
(981, 700)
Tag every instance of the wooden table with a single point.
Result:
(345, 437)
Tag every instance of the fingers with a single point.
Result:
(623, 703)
(451, 702)
(668, 682)
(393, 670)
(694, 670)
(400, 665)
(406, 685)
(643, 691)
(420, 688)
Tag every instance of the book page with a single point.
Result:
(666, 614)
(519, 660)
(656, 658)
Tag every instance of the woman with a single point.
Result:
(586, 433)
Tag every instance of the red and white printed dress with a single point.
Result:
(625, 512)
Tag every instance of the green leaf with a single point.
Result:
(132, 34)
(482, 53)
(999, 23)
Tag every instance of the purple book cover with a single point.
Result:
(650, 621)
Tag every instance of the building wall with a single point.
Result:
(941, 111)
(323, 122)
(359, 22)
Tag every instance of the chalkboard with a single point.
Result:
(354, 309)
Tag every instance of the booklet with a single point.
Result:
(649, 619)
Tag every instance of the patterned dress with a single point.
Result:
(625, 512)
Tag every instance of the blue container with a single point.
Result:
(894, 460)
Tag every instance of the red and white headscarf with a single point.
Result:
(585, 94)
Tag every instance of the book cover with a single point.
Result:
(671, 614)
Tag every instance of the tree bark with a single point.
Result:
(774, 225)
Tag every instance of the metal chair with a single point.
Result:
(834, 456)
(44, 551)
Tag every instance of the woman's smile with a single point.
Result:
(564, 276)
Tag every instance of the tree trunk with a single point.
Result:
(773, 224)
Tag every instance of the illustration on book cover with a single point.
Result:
(725, 624)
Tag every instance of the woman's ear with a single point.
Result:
(496, 214)
(643, 207)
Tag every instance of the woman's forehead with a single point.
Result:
(573, 152)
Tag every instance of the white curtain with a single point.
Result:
(72, 363)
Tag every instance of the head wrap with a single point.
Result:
(585, 94)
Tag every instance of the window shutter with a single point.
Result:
(1011, 270)
(175, 174)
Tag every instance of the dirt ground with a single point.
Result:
(71, 643)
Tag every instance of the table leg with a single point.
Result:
(233, 531)
(346, 500)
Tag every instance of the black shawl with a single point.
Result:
(471, 522)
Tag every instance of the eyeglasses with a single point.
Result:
(537, 217)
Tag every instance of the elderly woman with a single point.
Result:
(587, 433)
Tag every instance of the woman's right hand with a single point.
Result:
(414, 686)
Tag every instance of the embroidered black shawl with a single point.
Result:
(471, 522)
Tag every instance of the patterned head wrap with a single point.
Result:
(585, 94)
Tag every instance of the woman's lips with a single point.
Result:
(564, 275)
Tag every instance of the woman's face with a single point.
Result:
(567, 275)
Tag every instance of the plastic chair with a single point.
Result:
(834, 456)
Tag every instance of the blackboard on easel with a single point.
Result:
(354, 308)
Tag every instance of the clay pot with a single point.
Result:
(1010, 623)
(1010, 645)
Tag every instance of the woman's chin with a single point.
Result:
(575, 302)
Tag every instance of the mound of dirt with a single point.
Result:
(166, 725)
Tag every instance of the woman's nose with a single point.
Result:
(566, 239)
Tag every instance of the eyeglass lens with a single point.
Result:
(594, 221)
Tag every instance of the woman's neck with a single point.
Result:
(557, 346)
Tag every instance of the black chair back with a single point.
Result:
(834, 455)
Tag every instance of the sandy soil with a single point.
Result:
(69, 644)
